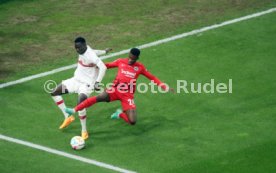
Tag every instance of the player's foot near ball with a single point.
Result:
(67, 122)
(84, 135)
(69, 111)
(116, 115)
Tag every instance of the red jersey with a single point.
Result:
(128, 74)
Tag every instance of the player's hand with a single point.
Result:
(108, 50)
(97, 86)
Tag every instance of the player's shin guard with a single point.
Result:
(86, 103)
(60, 103)
(82, 116)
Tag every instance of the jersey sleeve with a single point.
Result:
(153, 78)
(102, 69)
(94, 59)
(113, 64)
(99, 52)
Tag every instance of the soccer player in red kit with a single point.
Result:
(123, 87)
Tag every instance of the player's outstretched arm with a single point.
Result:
(157, 81)
(102, 52)
(107, 50)
(112, 64)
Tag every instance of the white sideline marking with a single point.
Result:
(25, 79)
(61, 153)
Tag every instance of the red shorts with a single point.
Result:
(127, 99)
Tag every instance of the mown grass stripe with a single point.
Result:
(172, 38)
(64, 154)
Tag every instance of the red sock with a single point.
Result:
(124, 117)
(86, 103)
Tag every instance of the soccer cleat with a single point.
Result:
(69, 111)
(116, 115)
(67, 122)
(84, 135)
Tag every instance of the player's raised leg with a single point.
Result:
(56, 95)
(103, 97)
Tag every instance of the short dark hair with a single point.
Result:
(80, 40)
(135, 51)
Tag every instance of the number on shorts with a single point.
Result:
(130, 102)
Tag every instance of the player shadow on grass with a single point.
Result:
(101, 127)
(146, 125)
(114, 129)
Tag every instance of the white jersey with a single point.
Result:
(88, 66)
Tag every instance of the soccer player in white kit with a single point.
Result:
(89, 73)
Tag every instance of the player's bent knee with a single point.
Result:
(132, 123)
(54, 94)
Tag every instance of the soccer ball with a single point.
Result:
(77, 143)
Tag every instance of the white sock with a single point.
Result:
(82, 116)
(60, 103)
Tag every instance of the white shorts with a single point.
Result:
(75, 86)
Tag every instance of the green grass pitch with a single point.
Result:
(175, 132)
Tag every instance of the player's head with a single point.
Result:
(133, 55)
(80, 45)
